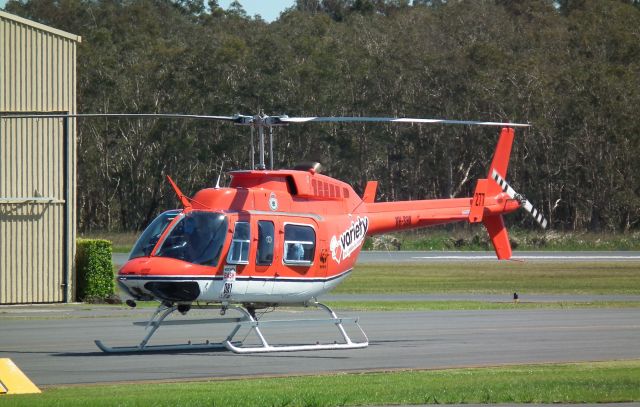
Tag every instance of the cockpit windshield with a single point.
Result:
(197, 238)
(149, 238)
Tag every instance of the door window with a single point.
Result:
(266, 236)
(239, 250)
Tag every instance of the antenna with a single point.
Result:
(219, 175)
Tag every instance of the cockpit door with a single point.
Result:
(262, 281)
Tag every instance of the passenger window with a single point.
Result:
(299, 244)
(239, 250)
(266, 234)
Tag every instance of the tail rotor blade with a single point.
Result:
(505, 187)
(537, 215)
(524, 202)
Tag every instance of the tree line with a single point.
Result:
(571, 68)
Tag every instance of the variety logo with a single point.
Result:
(342, 246)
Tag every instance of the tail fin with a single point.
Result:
(495, 224)
(500, 161)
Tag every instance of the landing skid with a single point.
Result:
(248, 320)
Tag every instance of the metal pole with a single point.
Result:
(261, 165)
(271, 147)
(253, 152)
(69, 205)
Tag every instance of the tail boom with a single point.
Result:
(487, 205)
(387, 217)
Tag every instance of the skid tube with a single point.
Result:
(249, 320)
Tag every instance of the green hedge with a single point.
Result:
(95, 279)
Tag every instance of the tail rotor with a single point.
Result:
(524, 202)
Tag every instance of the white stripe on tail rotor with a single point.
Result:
(524, 202)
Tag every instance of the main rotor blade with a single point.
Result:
(34, 115)
(528, 206)
(257, 120)
(396, 120)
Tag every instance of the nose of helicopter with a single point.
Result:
(162, 266)
(162, 278)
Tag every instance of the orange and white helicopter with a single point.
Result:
(286, 237)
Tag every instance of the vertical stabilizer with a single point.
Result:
(499, 236)
(500, 161)
(370, 191)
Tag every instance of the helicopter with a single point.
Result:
(285, 237)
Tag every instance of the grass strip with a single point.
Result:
(122, 242)
(598, 382)
(495, 278)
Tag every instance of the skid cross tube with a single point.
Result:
(254, 325)
(246, 320)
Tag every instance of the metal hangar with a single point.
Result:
(37, 163)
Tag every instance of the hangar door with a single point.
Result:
(33, 236)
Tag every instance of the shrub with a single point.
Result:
(94, 269)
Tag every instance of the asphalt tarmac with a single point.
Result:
(54, 344)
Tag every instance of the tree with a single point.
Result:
(569, 67)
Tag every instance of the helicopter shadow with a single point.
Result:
(290, 356)
(99, 353)
(199, 352)
(401, 342)
(24, 352)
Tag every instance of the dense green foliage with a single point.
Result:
(572, 68)
(598, 382)
(94, 270)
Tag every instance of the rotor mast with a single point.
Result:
(259, 122)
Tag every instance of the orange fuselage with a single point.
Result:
(299, 236)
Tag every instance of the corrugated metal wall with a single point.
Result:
(37, 163)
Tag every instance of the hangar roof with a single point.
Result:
(39, 26)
